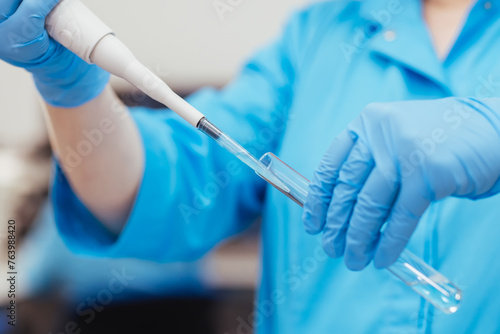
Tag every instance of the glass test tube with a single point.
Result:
(417, 274)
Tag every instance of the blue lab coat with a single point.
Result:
(293, 98)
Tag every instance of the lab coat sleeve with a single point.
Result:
(193, 193)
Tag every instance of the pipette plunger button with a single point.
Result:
(66, 38)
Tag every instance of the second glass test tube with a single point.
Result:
(417, 274)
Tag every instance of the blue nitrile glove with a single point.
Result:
(62, 78)
(390, 163)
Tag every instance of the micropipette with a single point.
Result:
(74, 26)
(77, 28)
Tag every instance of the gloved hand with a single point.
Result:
(390, 163)
(62, 78)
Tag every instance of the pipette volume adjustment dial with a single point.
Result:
(74, 26)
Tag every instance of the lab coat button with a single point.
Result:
(390, 35)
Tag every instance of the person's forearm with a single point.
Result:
(100, 150)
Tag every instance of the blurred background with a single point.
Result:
(189, 43)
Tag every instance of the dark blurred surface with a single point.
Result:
(186, 315)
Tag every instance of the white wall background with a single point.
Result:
(185, 41)
(188, 39)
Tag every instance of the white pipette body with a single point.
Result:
(74, 26)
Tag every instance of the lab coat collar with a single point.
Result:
(403, 37)
(480, 19)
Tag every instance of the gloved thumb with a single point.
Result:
(38, 9)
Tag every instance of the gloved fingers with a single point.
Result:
(352, 177)
(369, 215)
(30, 36)
(403, 219)
(8, 8)
(323, 182)
(36, 9)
